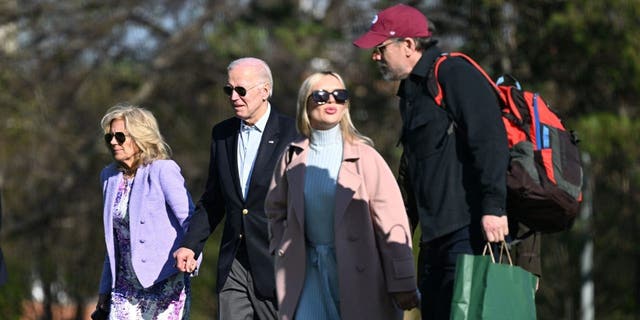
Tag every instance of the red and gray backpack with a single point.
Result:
(544, 179)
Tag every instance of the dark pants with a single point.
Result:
(437, 267)
(237, 299)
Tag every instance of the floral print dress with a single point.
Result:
(168, 299)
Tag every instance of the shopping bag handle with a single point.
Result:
(503, 248)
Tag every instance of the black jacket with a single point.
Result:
(451, 176)
(246, 224)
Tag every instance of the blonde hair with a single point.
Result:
(349, 131)
(143, 130)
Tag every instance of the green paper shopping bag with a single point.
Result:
(484, 289)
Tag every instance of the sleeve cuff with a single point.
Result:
(499, 212)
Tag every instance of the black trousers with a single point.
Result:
(437, 267)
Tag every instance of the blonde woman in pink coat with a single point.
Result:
(338, 228)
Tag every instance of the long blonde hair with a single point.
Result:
(143, 130)
(349, 131)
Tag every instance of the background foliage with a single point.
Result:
(63, 63)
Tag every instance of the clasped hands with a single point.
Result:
(185, 260)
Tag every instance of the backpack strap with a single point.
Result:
(515, 116)
(434, 85)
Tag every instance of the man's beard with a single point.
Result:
(387, 74)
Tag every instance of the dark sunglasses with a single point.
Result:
(120, 137)
(242, 91)
(379, 50)
(322, 96)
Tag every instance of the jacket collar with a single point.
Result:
(348, 177)
(269, 141)
(111, 188)
(350, 150)
(421, 70)
(424, 65)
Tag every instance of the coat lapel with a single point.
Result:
(232, 156)
(138, 191)
(110, 190)
(348, 180)
(268, 144)
(295, 172)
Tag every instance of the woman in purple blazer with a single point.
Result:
(146, 212)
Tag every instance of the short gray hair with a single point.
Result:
(262, 68)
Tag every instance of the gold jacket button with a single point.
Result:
(245, 211)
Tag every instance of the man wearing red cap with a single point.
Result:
(454, 162)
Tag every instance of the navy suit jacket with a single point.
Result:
(245, 219)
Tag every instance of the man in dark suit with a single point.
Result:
(244, 151)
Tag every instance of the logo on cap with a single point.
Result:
(397, 21)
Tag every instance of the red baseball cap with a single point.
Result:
(399, 21)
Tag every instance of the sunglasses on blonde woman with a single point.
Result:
(322, 96)
(120, 137)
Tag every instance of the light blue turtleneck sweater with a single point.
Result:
(323, 164)
(320, 298)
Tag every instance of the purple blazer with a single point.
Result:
(159, 211)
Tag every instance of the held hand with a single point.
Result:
(495, 228)
(99, 314)
(185, 260)
(102, 307)
(406, 300)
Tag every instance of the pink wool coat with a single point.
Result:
(372, 234)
